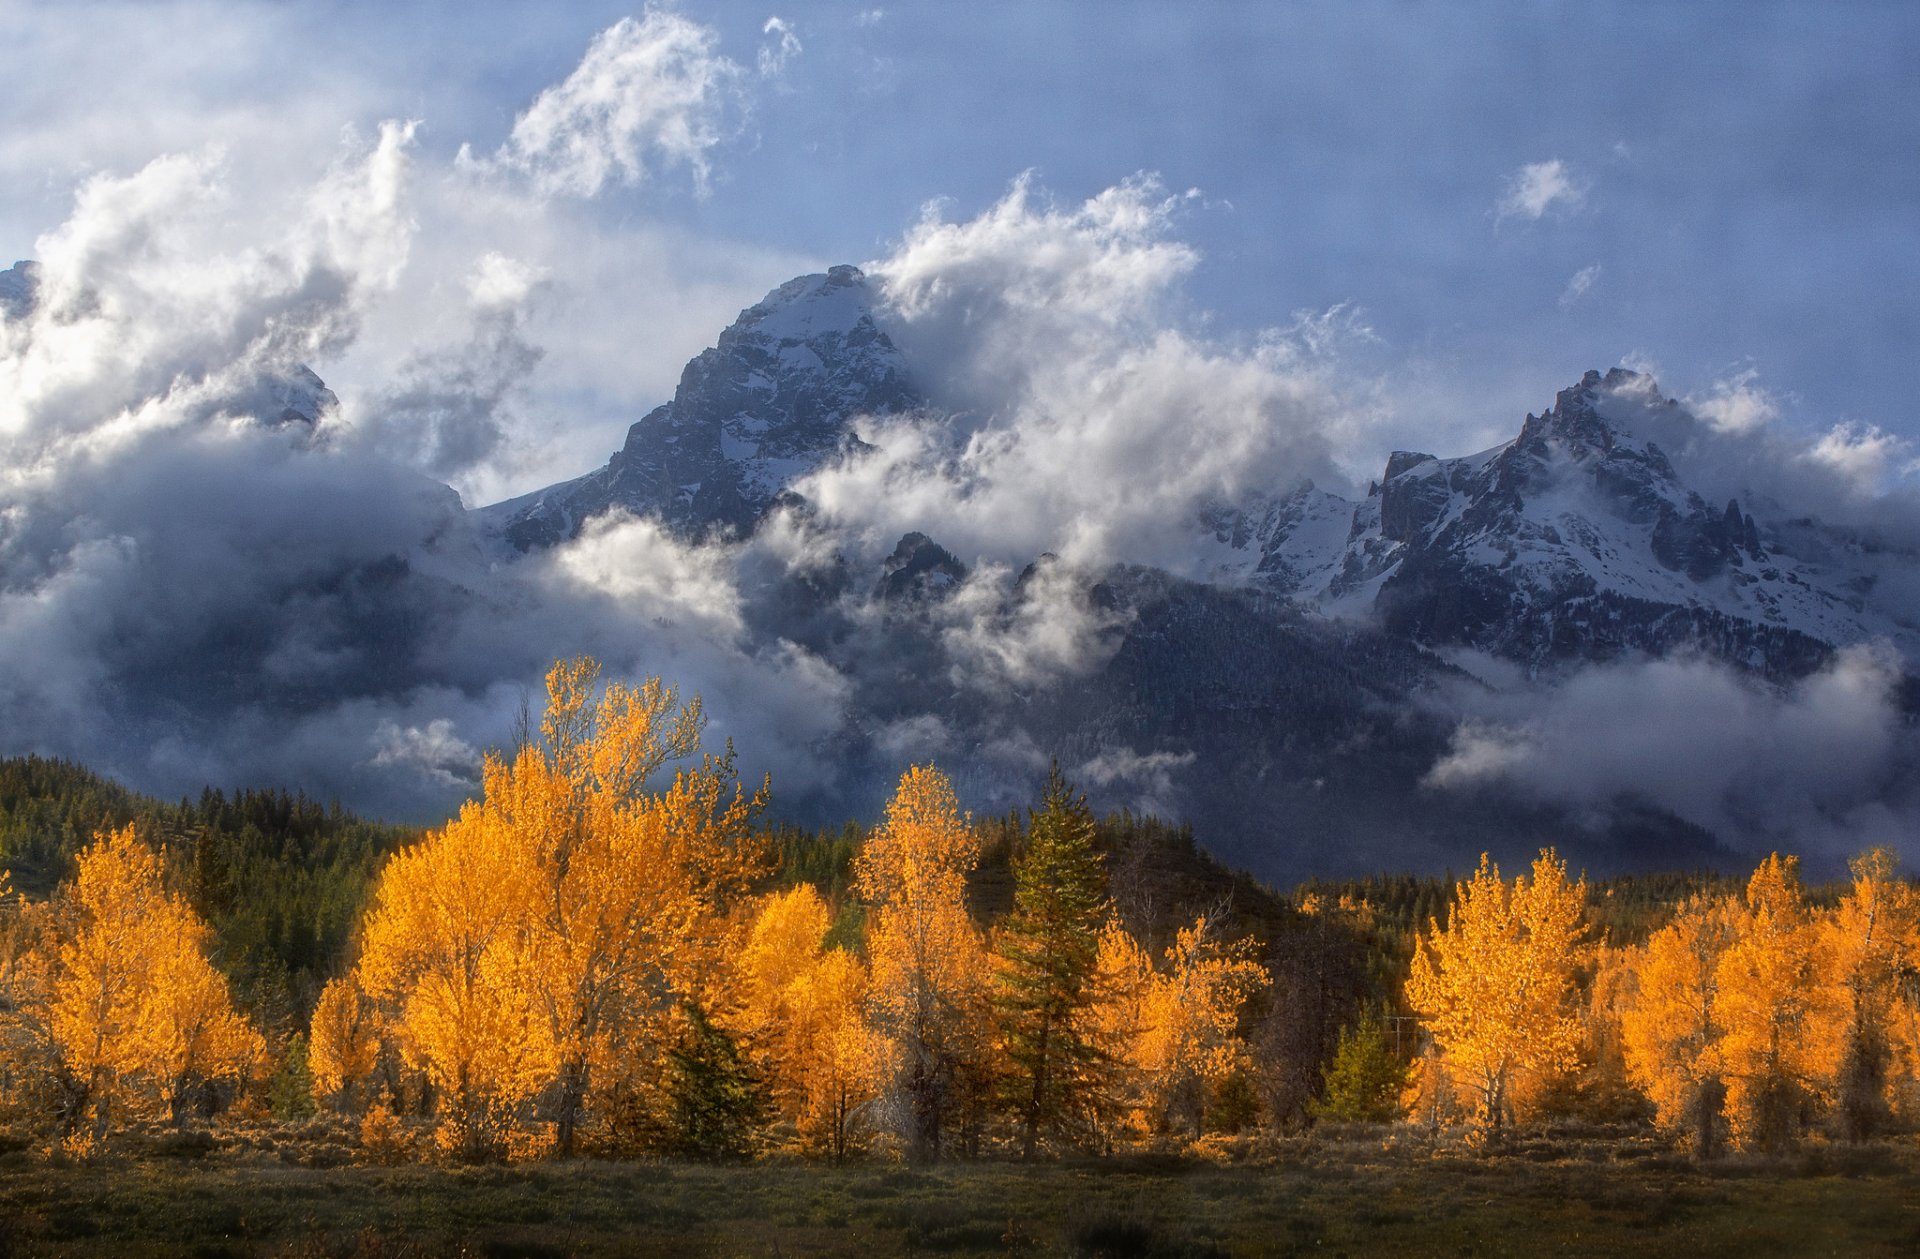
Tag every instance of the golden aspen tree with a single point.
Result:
(200, 1039)
(446, 944)
(1190, 1039)
(1868, 945)
(1774, 1005)
(928, 959)
(343, 1044)
(782, 948)
(840, 1060)
(1112, 1025)
(537, 947)
(28, 1066)
(1496, 983)
(1674, 1025)
(137, 1015)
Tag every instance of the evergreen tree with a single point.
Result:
(1365, 1078)
(1047, 948)
(716, 1098)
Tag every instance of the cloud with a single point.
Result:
(1577, 286)
(1539, 187)
(782, 46)
(1051, 337)
(196, 588)
(435, 751)
(1815, 764)
(1735, 404)
(650, 93)
(1002, 635)
(449, 411)
(1145, 782)
(1865, 455)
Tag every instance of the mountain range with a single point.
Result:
(1296, 682)
(1291, 691)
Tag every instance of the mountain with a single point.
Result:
(1294, 701)
(18, 285)
(767, 404)
(1576, 541)
(1292, 684)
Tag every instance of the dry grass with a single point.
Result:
(1352, 1192)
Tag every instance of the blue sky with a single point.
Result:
(1726, 193)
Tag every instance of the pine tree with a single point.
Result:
(1047, 948)
(1364, 1079)
(714, 1095)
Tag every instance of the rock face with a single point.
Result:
(1575, 541)
(771, 401)
(18, 284)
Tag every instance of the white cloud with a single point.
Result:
(1079, 416)
(651, 92)
(782, 46)
(1736, 404)
(634, 561)
(434, 751)
(1867, 456)
(1146, 782)
(1578, 286)
(1538, 187)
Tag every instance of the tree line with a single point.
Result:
(607, 952)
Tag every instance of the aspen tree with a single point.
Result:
(1674, 1027)
(343, 1045)
(1112, 1025)
(1774, 1006)
(928, 960)
(535, 945)
(1869, 944)
(1189, 1042)
(137, 1015)
(1496, 982)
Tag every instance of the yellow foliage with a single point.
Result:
(1773, 1005)
(1190, 1017)
(384, 1137)
(929, 962)
(344, 1045)
(548, 931)
(1868, 946)
(1111, 1024)
(1496, 983)
(1674, 1027)
(136, 1013)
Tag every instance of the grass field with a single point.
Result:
(1357, 1197)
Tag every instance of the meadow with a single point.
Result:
(1353, 1191)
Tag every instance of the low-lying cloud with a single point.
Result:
(1823, 764)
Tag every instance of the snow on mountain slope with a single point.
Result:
(760, 409)
(1578, 539)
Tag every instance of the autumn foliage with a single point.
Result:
(600, 955)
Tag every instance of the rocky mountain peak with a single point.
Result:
(19, 284)
(774, 397)
(919, 568)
